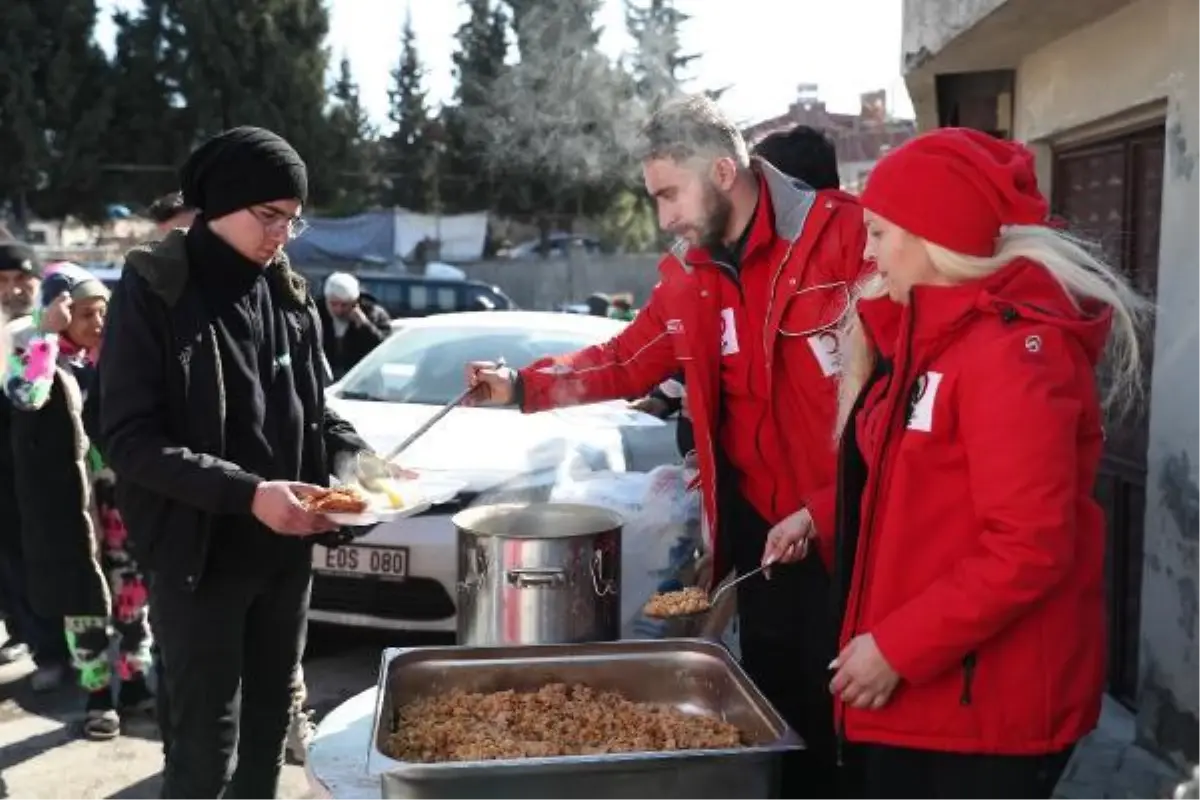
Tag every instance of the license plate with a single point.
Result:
(364, 561)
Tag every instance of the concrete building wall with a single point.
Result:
(1133, 64)
(1118, 63)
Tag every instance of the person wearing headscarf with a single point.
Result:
(353, 323)
(79, 567)
(213, 417)
(966, 543)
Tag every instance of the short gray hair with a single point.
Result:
(691, 127)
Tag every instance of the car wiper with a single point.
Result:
(360, 396)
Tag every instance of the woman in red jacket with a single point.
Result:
(967, 546)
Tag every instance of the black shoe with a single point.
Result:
(101, 721)
(135, 696)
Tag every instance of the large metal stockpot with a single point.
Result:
(539, 573)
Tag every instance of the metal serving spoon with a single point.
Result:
(373, 470)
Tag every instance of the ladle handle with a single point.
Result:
(429, 423)
(722, 590)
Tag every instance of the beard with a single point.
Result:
(16, 307)
(718, 210)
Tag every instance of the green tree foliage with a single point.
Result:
(409, 152)
(261, 63)
(557, 130)
(478, 63)
(54, 108)
(351, 153)
(148, 135)
(657, 60)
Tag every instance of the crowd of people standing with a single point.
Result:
(893, 404)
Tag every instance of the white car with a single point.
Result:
(402, 575)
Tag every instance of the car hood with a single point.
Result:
(484, 447)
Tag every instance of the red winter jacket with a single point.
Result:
(977, 550)
(814, 257)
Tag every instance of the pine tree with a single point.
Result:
(657, 57)
(558, 128)
(468, 183)
(23, 147)
(262, 63)
(657, 60)
(148, 127)
(54, 108)
(411, 156)
(351, 146)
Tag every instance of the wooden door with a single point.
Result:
(1111, 191)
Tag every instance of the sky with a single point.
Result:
(762, 49)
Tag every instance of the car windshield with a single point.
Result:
(427, 364)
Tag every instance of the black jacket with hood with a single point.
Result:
(163, 407)
(358, 340)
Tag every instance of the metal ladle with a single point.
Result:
(721, 591)
(373, 470)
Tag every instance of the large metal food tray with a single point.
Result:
(692, 675)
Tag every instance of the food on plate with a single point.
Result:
(692, 600)
(394, 499)
(556, 720)
(338, 500)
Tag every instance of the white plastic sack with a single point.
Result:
(662, 533)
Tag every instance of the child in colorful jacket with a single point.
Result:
(80, 568)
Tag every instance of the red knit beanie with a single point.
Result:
(956, 187)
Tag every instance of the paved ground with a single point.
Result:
(1108, 764)
(41, 755)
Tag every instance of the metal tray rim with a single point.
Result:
(379, 763)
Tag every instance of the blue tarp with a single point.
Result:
(366, 238)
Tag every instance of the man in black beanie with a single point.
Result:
(214, 420)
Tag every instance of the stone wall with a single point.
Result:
(543, 284)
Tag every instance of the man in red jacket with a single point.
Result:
(747, 305)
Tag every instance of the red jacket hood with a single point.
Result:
(1023, 289)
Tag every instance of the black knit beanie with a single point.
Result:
(240, 168)
(19, 257)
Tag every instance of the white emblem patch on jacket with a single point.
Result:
(729, 338)
(827, 350)
(920, 418)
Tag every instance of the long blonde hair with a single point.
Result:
(1072, 262)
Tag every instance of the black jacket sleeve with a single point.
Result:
(341, 440)
(133, 405)
(361, 339)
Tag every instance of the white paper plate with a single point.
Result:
(438, 489)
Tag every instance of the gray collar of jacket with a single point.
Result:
(791, 200)
(164, 267)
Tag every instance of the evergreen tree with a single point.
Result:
(558, 126)
(468, 182)
(23, 147)
(411, 156)
(149, 129)
(351, 146)
(657, 60)
(54, 108)
(262, 63)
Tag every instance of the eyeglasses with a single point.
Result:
(273, 222)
